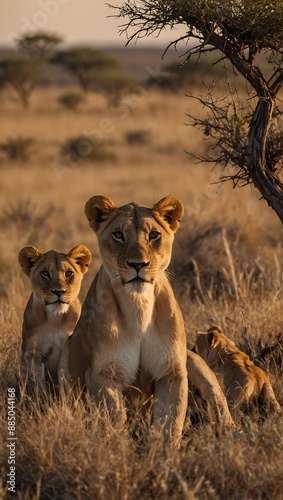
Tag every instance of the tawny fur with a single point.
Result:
(202, 378)
(51, 313)
(131, 331)
(244, 382)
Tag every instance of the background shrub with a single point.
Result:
(138, 137)
(17, 148)
(82, 148)
(71, 100)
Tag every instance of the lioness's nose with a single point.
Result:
(58, 292)
(137, 265)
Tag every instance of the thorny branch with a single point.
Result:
(249, 138)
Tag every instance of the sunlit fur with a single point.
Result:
(131, 331)
(52, 310)
(244, 382)
(203, 381)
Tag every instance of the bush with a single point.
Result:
(17, 148)
(71, 100)
(29, 220)
(82, 148)
(138, 137)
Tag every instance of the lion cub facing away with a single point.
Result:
(244, 383)
(51, 313)
(131, 330)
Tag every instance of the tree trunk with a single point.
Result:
(264, 180)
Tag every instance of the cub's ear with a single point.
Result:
(215, 328)
(171, 210)
(98, 209)
(28, 256)
(82, 256)
(213, 338)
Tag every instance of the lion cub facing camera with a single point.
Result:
(51, 313)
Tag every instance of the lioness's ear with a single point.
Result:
(98, 209)
(171, 210)
(28, 256)
(82, 256)
(213, 338)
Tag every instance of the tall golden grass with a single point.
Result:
(226, 269)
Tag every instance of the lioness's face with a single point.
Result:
(55, 277)
(135, 253)
(135, 242)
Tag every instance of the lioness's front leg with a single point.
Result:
(170, 405)
(33, 374)
(107, 394)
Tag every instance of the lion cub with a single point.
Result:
(244, 383)
(51, 313)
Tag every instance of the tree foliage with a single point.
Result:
(255, 24)
(175, 76)
(84, 64)
(24, 72)
(21, 74)
(114, 85)
(38, 45)
(248, 33)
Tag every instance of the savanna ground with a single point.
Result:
(226, 269)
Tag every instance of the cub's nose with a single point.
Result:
(137, 265)
(58, 292)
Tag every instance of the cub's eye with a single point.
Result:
(154, 235)
(69, 274)
(118, 236)
(45, 274)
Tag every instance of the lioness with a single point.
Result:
(244, 383)
(52, 310)
(131, 331)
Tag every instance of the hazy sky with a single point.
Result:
(78, 21)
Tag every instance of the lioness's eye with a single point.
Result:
(68, 274)
(118, 235)
(154, 235)
(45, 274)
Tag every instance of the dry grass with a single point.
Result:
(226, 269)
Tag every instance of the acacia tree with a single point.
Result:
(114, 85)
(247, 33)
(38, 45)
(84, 64)
(22, 75)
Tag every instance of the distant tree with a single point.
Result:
(84, 64)
(38, 45)
(114, 85)
(249, 34)
(22, 75)
(175, 75)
